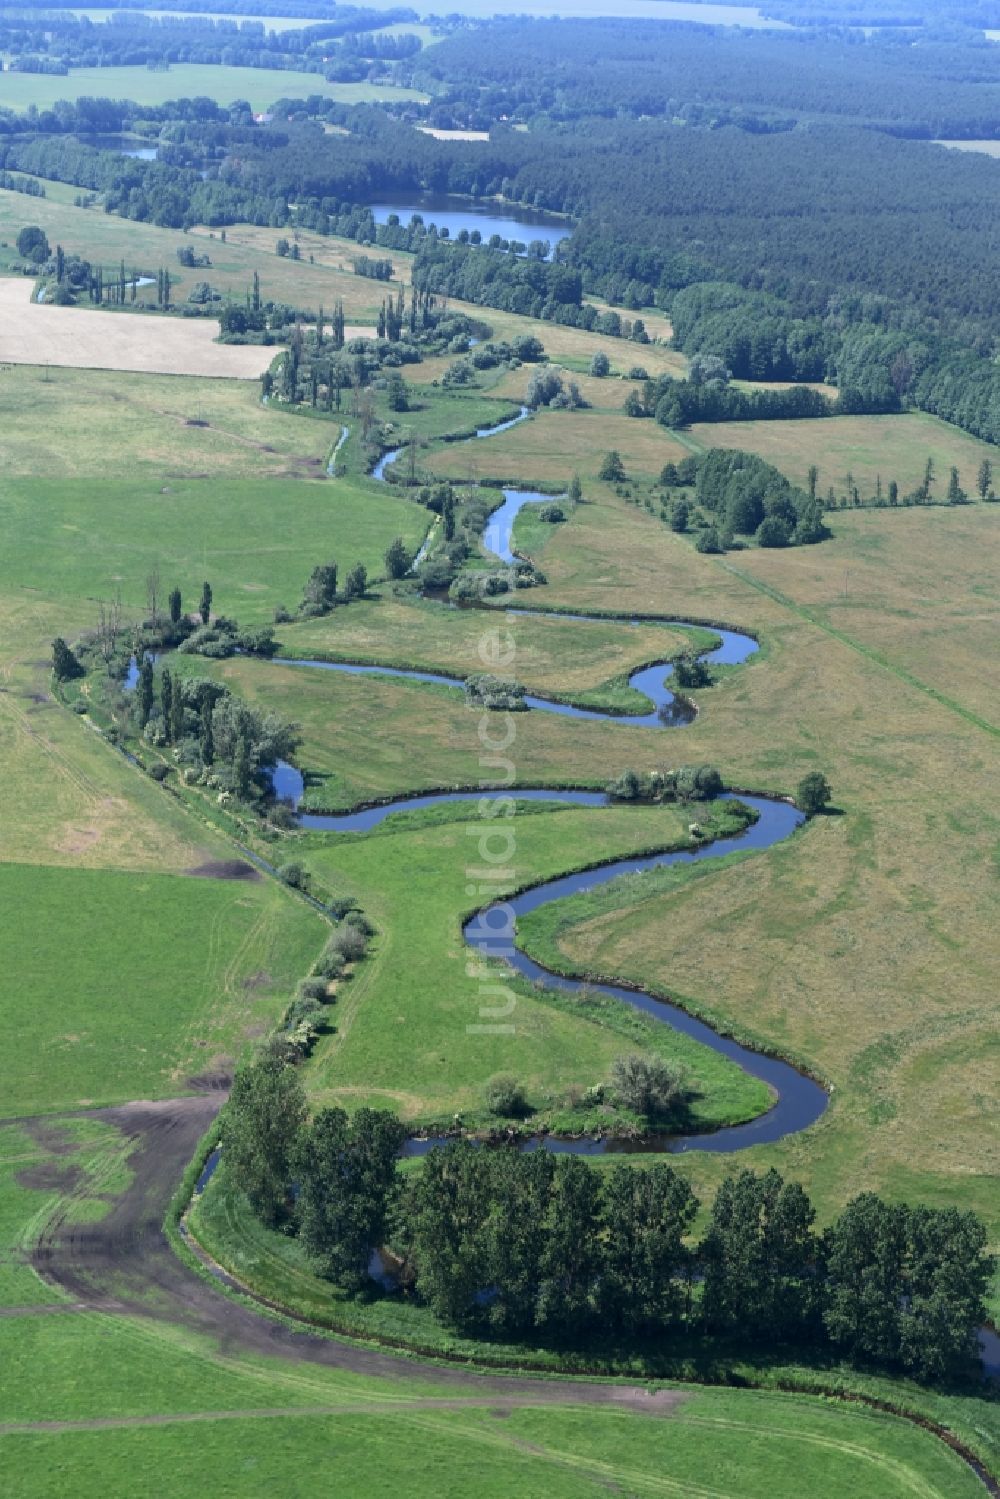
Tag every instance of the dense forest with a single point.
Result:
(763, 80)
(342, 49)
(781, 232)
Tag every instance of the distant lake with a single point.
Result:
(456, 214)
(128, 145)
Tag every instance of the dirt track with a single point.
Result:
(126, 1260)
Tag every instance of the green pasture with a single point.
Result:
(120, 986)
(434, 742)
(255, 540)
(79, 424)
(414, 1026)
(867, 447)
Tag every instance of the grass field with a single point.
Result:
(63, 425)
(434, 742)
(865, 947)
(256, 540)
(136, 983)
(144, 1407)
(552, 656)
(870, 940)
(408, 1025)
(555, 445)
(87, 338)
(890, 447)
(261, 87)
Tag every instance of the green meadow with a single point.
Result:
(133, 983)
(255, 540)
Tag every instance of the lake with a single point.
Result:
(128, 145)
(508, 220)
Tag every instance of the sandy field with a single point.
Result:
(81, 338)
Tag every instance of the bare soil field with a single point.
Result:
(78, 338)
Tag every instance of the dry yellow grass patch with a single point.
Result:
(84, 338)
(867, 946)
(868, 447)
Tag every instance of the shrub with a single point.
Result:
(600, 365)
(505, 1096)
(340, 905)
(650, 1086)
(691, 671)
(612, 469)
(294, 875)
(350, 943)
(774, 531)
(303, 1008)
(312, 989)
(626, 788)
(159, 772)
(551, 513)
(487, 691)
(813, 793)
(331, 964)
(697, 783)
(64, 663)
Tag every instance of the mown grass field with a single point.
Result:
(551, 656)
(555, 445)
(255, 540)
(864, 949)
(261, 87)
(434, 741)
(134, 983)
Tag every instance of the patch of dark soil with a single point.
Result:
(224, 869)
(52, 1136)
(211, 1082)
(194, 421)
(49, 1176)
(38, 697)
(259, 980)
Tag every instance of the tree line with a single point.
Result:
(532, 1245)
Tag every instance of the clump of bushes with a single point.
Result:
(688, 783)
(691, 671)
(647, 1085)
(498, 693)
(504, 1096)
